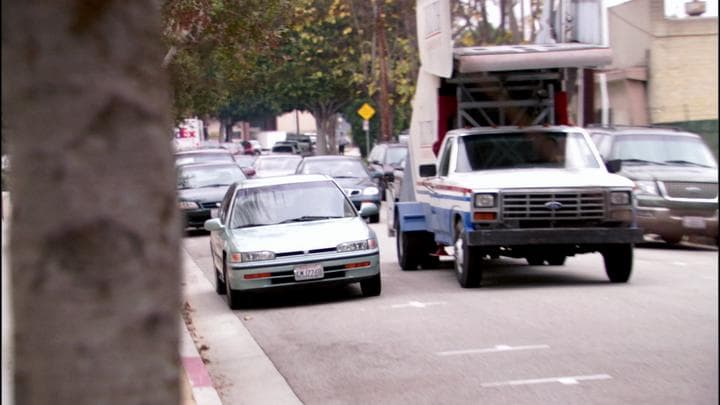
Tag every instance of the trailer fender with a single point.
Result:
(411, 217)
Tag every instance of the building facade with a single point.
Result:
(664, 69)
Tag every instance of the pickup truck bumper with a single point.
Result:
(554, 236)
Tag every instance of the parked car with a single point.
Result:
(304, 143)
(675, 175)
(350, 173)
(393, 193)
(290, 231)
(203, 156)
(276, 165)
(201, 187)
(283, 147)
(383, 159)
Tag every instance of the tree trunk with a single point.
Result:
(95, 233)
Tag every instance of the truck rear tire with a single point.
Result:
(618, 260)
(467, 261)
(408, 247)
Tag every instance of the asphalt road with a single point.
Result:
(531, 335)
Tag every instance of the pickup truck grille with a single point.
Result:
(554, 206)
(691, 190)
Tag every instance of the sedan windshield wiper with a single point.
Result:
(306, 218)
(685, 162)
(642, 161)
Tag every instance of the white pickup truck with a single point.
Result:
(541, 193)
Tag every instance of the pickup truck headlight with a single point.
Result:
(620, 198)
(242, 257)
(370, 191)
(188, 205)
(357, 245)
(646, 187)
(484, 200)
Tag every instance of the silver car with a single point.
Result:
(290, 231)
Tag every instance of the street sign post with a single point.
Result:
(366, 112)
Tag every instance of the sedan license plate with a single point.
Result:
(694, 222)
(309, 272)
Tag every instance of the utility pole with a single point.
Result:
(385, 113)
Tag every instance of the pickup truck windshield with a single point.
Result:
(515, 150)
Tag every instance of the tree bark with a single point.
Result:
(95, 233)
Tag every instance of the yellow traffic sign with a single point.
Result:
(366, 111)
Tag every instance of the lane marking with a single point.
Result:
(418, 304)
(682, 264)
(497, 348)
(571, 380)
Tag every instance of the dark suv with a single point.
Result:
(675, 175)
(382, 160)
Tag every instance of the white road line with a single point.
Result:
(682, 264)
(562, 380)
(497, 348)
(418, 304)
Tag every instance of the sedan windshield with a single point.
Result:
(208, 176)
(662, 149)
(286, 203)
(525, 150)
(336, 168)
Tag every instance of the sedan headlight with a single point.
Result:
(646, 187)
(370, 191)
(357, 245)
(484, 200)
(242, 257)
(188, 205)
(620, 198)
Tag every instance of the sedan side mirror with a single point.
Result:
(213, 225)
(613, 166)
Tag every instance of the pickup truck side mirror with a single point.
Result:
(613, 166)
(428, 170)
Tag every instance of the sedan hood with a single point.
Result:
(301, 236)
(681, 173)
(203, 194)
(535, 178)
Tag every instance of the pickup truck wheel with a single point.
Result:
(618, 262)
(467, 261)
(407, 248)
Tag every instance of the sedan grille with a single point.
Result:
(555, 206)
(210, 205)
(675, 189)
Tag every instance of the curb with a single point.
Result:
(203, 391)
